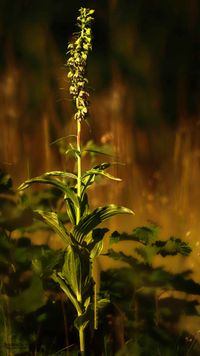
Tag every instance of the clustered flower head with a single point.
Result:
(78, 54)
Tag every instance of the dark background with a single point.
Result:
(144, 76)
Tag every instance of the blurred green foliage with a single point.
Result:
(140, 307)
(145, 299)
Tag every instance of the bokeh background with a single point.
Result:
(144, 76)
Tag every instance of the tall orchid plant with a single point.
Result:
(82, 236)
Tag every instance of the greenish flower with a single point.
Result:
(77, 61)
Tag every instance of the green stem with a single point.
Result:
(95, 305)
(82, 340)
(78, 142)
(78, 216)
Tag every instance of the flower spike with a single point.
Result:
(78, 52)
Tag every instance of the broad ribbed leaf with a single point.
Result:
(51, 219)
(72, 204)
(91, 221)
(84, 205)
(71, 211)
(85, 183)
(96, 250)
(62, 174)
(70, 195)
(76, 270)
(55, 182)
(58, 278)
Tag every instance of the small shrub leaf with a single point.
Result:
(146, 234)
(175, 246)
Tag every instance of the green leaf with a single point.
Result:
(98, 234)
(51, 219)
(55, 182)
(58, 278)
(96, 172)
(85, 183)
(72, 151)
(62, 174)
(71, 211)
(92, 220)
(175, 246)
(72, 202)
(61, 139)
(103, 303)
(117, 237)
(83, 320)
(95, 247)
(89, 176)
(76, 270)
(70, 196)
(97, 151)
(84, 206)
(121, 256)
(146, 234)
(96, 250)
(92, 148)
(48, 261)
(147, 253)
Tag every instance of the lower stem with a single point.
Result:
(82, 340)
(78, 166)
(78, 216)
